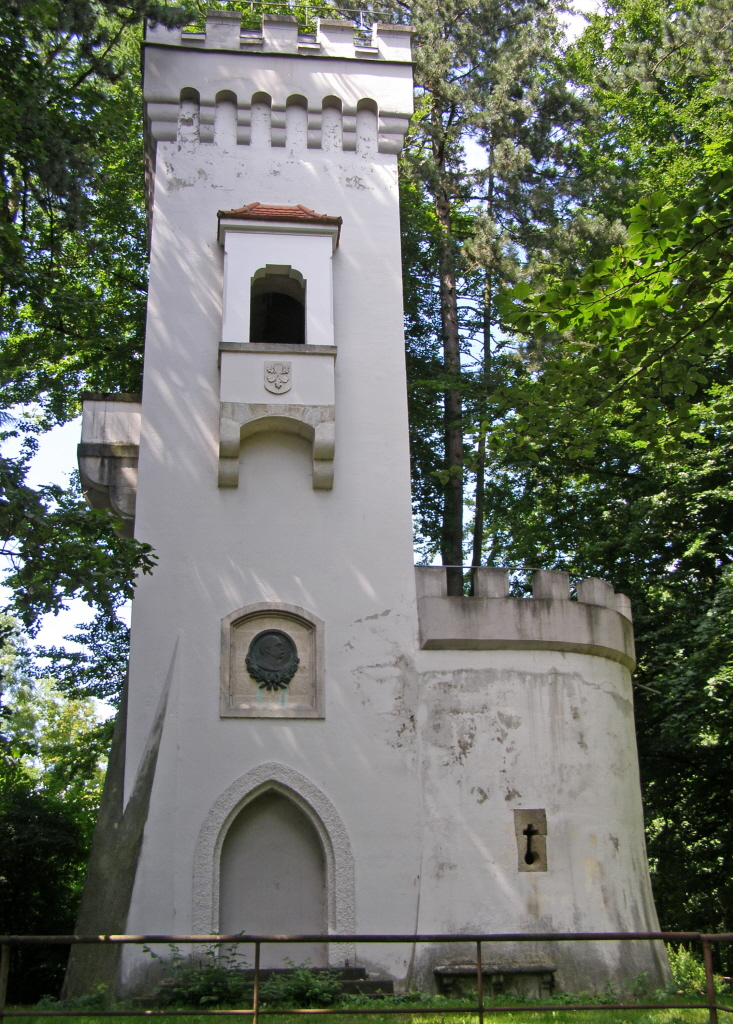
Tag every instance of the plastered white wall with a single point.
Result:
(110, 422)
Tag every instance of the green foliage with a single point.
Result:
(612, 453)
(305, 11)
(99, 668)
(659, 73)
(399, 999)
(688, 970)
(425, 379)
(53, 753)
(97, 999)
(465, 1016)
(490, 75)
(58, 548)
(52, 744)
(40, 841)
(207, 979)
(644, 336)
(72, 276)
(301, 987)
(72, 248)
(61, 745)
(220, 978)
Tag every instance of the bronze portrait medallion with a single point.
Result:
(272, 659)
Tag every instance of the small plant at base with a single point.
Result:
(688, 972)
(214, 979)
(97, 999)
(608, 993)
(300, 988)
(640, 985)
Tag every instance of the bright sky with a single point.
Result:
(575, 22)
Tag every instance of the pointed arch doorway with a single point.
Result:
(272, 879)
(330, 829)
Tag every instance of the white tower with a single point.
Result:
(343, 747)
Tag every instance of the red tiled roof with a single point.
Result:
(292, 214)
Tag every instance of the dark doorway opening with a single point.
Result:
(277, 311)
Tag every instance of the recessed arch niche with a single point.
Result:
(246, 694)
(272, 879)
(327, 823)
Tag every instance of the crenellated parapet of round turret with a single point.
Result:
(597, 621)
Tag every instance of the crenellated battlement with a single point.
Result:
(598, 622)
(334, 37)
(321, 84)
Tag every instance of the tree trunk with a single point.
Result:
(452, 533)
(479, 507)
(480, 503)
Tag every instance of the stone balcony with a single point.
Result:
(108, 454)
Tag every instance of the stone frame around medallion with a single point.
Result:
(270, 614)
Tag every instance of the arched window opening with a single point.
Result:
(277, 310)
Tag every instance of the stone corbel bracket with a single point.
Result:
(109, 479)
(108, 454)
(316, 423)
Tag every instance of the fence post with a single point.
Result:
(256, 993)
(707, 954)
(4, 970)
(480, 983)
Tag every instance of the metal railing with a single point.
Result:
(480, 1009)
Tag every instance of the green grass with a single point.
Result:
(561, 1015)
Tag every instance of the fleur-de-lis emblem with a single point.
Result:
(277, 377)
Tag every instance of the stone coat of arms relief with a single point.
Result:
(278, 377)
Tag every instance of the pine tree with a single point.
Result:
(491, 73)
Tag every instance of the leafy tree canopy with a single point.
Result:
(52, 759)
(643, 338)
(72, 273)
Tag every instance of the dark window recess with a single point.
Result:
(277, 316)
(530, 856)
(530, 829)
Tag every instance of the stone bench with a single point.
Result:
(532, 980)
